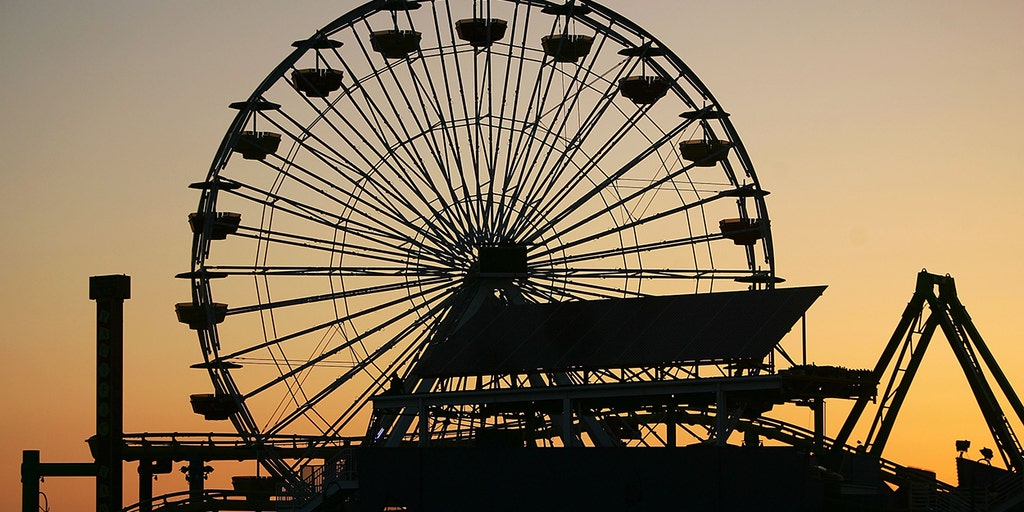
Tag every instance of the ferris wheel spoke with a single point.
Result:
(626, 250)
(627, 226)
(480, 145)
(411, 174)
(367, 361)
(567, 103)
(271, 199)
(540, 183)
(330, 220)
(516, 54)
(403, 360)
(487, 157)
(293, 207)
(569, 209)
(583, 289)
(299, 209)
(333, 271)
(381, 253)
(636, 196)
(619, 273)
(443, 288)
(386, 194)
(294, 393)
(454, 164)
(484, 133)
(554, 185)
(384, 246)
(317, 361)
(346, 294)
(442, 156)
(518, 170)
(532, 117)
(421, 126)
(536, 110)
(536, 295)
(360, 401)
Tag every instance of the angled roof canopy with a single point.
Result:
(619, 333)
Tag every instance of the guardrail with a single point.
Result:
(213, 500)
(151, 439)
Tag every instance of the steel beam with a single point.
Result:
(32, 470)
(654, 389)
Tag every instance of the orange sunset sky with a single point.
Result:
(888, 133)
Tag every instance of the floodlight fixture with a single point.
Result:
(962, 445)
(986, 455)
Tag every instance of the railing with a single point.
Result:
(340, 471)
(948, 498)
(341, 468)
(213, 499)
(328, 478)
(188, 439)
(338, 452)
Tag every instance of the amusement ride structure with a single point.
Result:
(509, 255)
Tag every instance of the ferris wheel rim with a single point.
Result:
(216, 183)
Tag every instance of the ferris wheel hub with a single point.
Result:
(502, 260)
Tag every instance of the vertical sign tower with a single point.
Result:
(109, 292)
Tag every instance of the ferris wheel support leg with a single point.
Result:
(568, 437)
(818, 406)
(670, 425)
(402, 420)
(594, 428)
(721, 415)
(424, 424)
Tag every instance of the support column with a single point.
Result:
(670, 424)
(145, 486)
(424, 424)
(568, 438)
(30, 481)
(195, 473)
(721, 418)
(818, 406)
(109, 292)
(751, 438)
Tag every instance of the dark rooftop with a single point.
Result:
(620, 333)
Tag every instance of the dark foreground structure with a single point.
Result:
(748, 461)
(513, 255)
(509, 479)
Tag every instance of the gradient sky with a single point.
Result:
(888, 133)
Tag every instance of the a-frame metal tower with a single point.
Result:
(902, 357)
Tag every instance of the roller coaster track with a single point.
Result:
(768, 428)
(212, 500)
(794, 435)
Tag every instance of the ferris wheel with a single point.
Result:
(413, 160)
